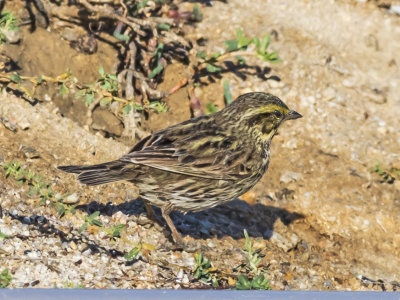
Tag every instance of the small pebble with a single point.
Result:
(290, 176)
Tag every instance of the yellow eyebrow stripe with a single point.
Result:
(271, 108)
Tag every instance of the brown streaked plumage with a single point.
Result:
(199, 163)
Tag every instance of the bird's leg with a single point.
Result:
(165, 211)
(150, 211)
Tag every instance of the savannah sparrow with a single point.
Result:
(199, 163)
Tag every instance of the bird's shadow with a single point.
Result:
(229, 219)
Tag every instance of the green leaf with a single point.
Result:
(131, 255)
(101, 71)
(232, 45)
(273, 57)
(213, 68)
(227, 93)
(241, 60)
(5, 279)
(213, 58)
(196, 14)
(163, 26)
(120, 36)
(60, 209)
(214, 282)
(265, 42)
(83, 227)
(16, 78)
(81, 93)
(126, 110)
(156, 70)
(158, 106)
(201, 54)
(89, 98)
(243, 42)
(116, 230)
(4, 236)
(106, 86)
(94, 215)
(243, 283)
(105, 101)
(64, 90)
(159, 51)
(211, 108)
(112, 77)
(256, 42)
(96, 223)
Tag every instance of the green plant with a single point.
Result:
(132, 254)
(254, 279)
(211, 108)
(262, 49)
(4, 236)
(7, 22)
(388, 175)
(210, 61)
(156, 62)
(252, 256)
(37, 186)
(71, 285)
(204, 271)
(256, 283)
(5, 279)
(90, 220)
(242, 43)
(227, 93)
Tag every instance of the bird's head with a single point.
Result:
(260, 113)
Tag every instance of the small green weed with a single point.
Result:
(131, 255)
(204, 271)
(254, 279)
(388, 175)
(4, 236)
(5, 279)
(37, 186)
(211, 108)
(256, 283)
(7, 22)
(70, 285)
(227, 93)
(91, 220)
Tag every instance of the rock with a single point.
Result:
(283, 242)
(71, 199)
(29, 152)
(395, 9)
(24, 125)
(70, 34)
(12, 36)
(348, 82)
(107, 121)
(329, 93)
(377, 96)
(290, 176)
(8, 124)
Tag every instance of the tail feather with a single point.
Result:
(99, 174)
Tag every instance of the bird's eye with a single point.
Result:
(277, 113)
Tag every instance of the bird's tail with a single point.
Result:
(102, 173)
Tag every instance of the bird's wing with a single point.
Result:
(202, 151)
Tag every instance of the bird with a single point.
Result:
(201, 162)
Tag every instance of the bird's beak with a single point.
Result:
(293, 115)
